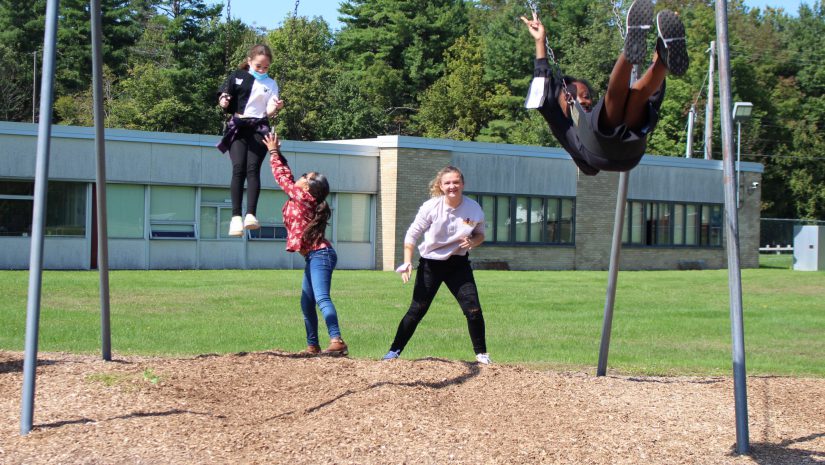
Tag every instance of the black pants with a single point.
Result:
(457, 274)
(247, 153)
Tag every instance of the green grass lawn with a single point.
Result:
(666, 322)
(772, 260)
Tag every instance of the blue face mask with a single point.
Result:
(258, 76)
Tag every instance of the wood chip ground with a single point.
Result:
(279, 408)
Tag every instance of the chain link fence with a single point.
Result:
(776, 234)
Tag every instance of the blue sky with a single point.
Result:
(252, 11)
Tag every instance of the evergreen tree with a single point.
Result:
(402, 39)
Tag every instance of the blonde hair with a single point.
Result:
(435, 184)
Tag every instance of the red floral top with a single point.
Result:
(298, 210)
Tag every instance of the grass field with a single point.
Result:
(666, 322)
(780, 261)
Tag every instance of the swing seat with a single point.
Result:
(621, 148)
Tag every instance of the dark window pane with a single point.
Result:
(16, 217)
(16, 187)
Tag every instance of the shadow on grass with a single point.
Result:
(472, 369)
(767, 453)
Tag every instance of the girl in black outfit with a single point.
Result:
(251, 97)
(612, 135)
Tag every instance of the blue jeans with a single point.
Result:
(315, 290)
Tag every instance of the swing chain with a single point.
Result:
(552, 56)
(617, 12)
(288, 57)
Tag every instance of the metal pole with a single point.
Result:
(689, 144)
(732, 232)
(613, 273)
(34, 85)
(709, 107)
(615, 251)
(38, 218)
(100, 151)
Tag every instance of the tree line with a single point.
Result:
(455, 69)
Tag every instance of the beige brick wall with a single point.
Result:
(385, 211)
(749, 224)
(409, 172)
(526, 257)
(595, 207)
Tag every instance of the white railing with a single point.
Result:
(778, 249)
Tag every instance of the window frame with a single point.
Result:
(194, 223)
(512, 204)
(650, 227)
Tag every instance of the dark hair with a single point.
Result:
(571, 81)
(256, 50)
(435, 184)
(319, 189)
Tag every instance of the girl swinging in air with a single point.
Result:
(251, 97)
(612, 134)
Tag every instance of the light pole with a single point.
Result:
(741, 112)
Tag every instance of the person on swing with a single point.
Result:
(612, 134)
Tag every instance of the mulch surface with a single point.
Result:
(279, 408)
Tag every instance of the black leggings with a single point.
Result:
(247, 153)
(457, 274)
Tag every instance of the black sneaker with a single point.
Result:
(672, 43)
(639, 21)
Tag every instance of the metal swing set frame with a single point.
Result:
(731, 226)
(41, 183)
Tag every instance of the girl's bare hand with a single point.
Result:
(223, 100)
(272, 141)
(535, 27)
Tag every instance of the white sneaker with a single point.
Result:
(483, 359)
(250, 222)
(236, 227)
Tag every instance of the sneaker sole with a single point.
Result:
(639, 22)
(252, 226)
(235, 233)
(672, 32)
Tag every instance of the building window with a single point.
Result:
(526, 220)
(672, 224)
(125, 210)
(216, 213)
(65, 208)
(16, 203)
(269, 216)
(172, 212)
(354, 217)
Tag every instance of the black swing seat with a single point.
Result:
(620, 145)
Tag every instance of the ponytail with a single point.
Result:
(319, 189)
(315, 230)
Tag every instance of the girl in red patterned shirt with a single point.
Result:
(306, 214)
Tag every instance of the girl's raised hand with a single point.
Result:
(272, 141)
(535, 27)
